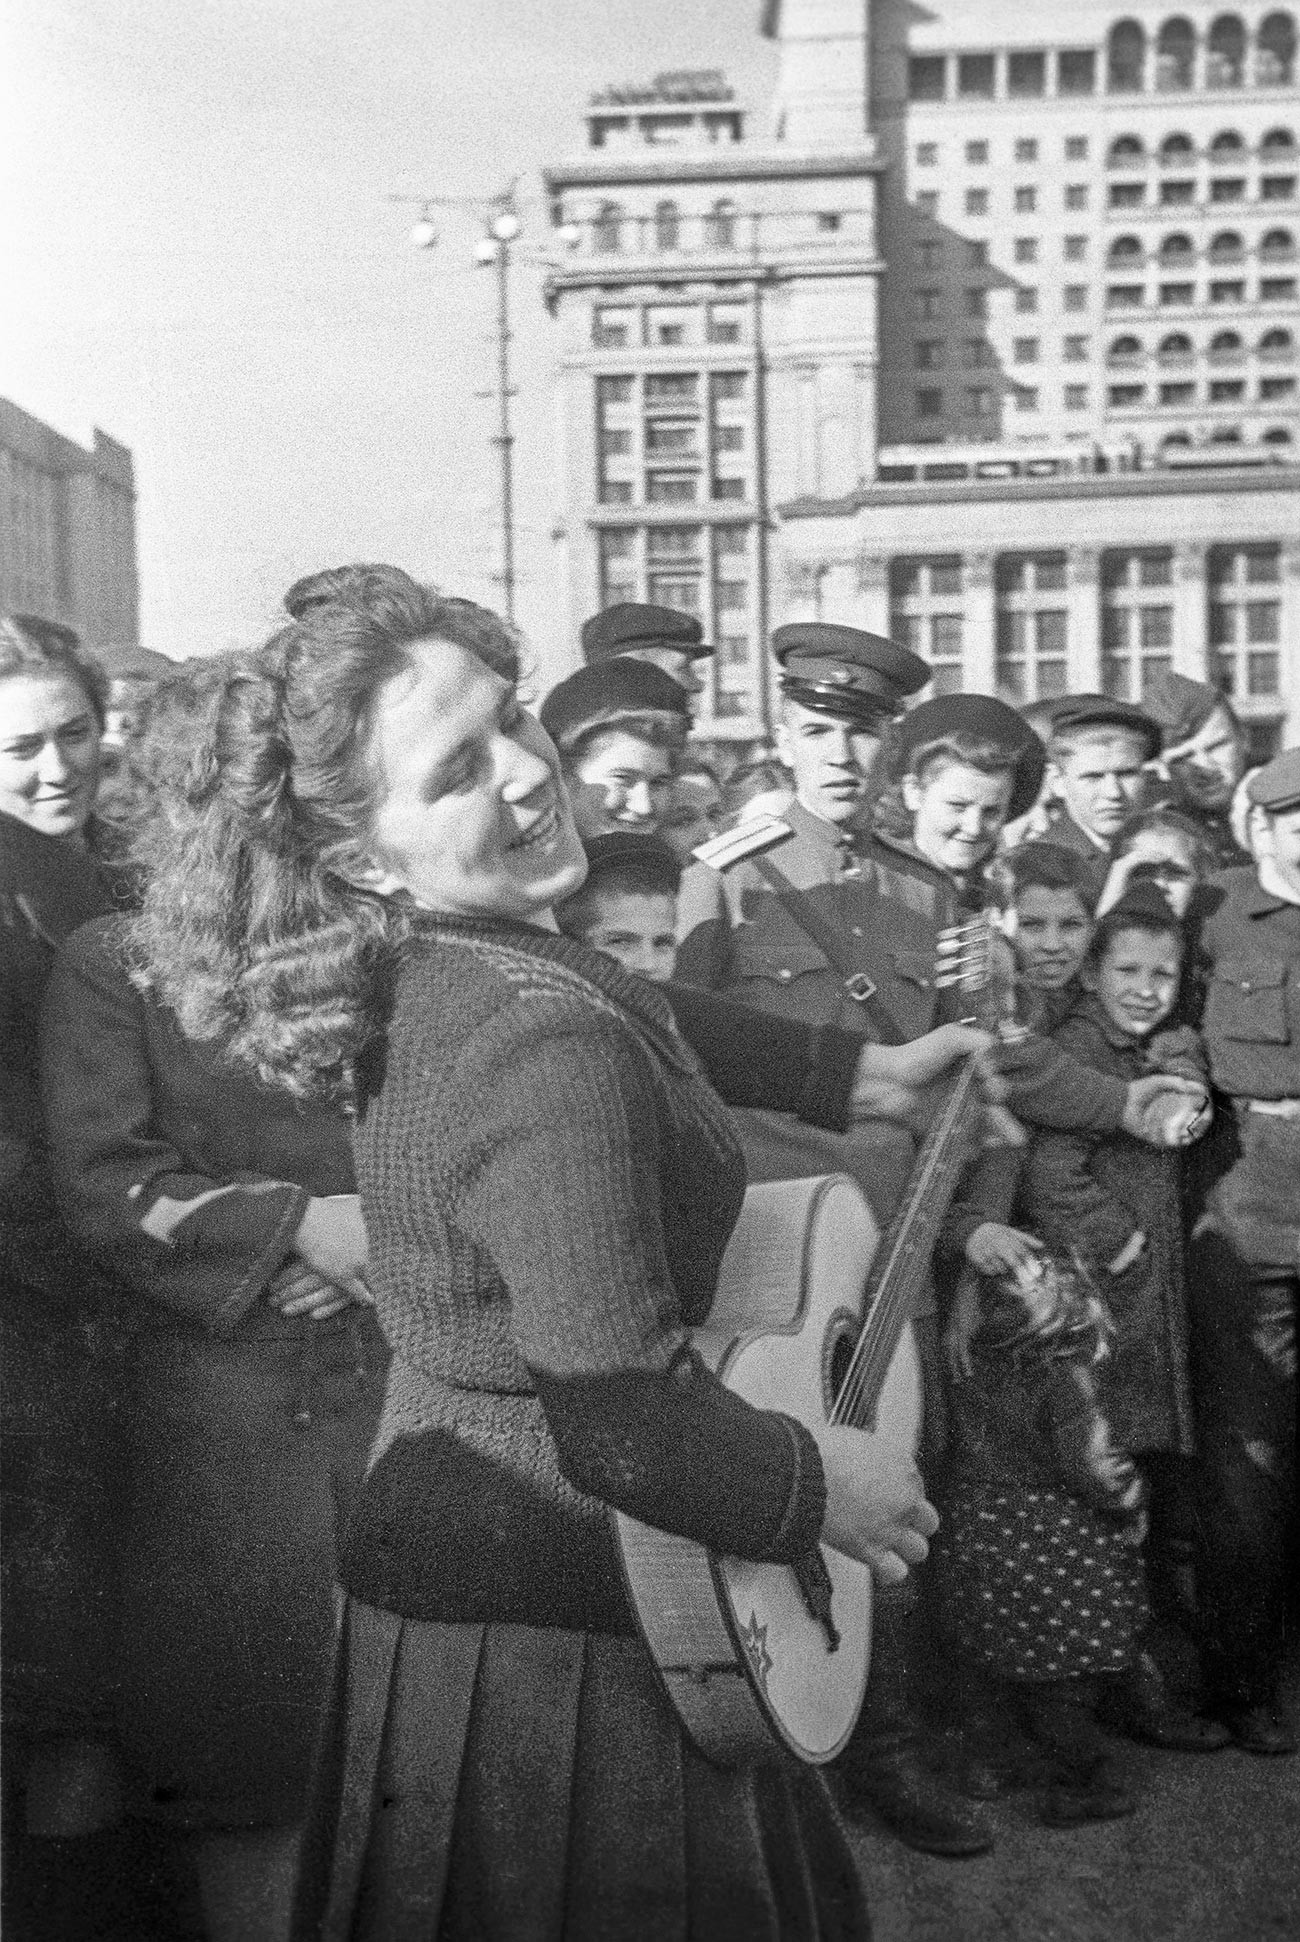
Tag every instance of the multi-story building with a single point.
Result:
(1068, 453)
(67, 530)
(717, 308)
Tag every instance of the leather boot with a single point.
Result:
(1138, 1703)
(882, 1766)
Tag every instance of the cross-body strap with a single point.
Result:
(858, 986)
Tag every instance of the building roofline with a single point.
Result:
(682, 166)
(1214, 480)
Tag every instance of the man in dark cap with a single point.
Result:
(1244, 1275)
(619, 726)
(663, 636)
(1202, 760)
(1096, 765)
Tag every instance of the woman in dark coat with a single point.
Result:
(549, 1183)
(60, 1341)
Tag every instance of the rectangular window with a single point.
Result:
(1026, 200)
(977, 202)
(671, 488)
(727, 323)
(975, 76)
(1244, 630)
(1075, 249)
(1124, 296)
(613, 391)
(1177, 293)
(616, 556)
(1076, 397)
(1137, 632)
(977, 151)
(1125, 396)
(615, 492)
(1026, 302)
(1277, 188)
(1076, 148)
(929, 255)
(728, 387)
(615, 443)
(976, 301)
(929, 403)
(728, 488)
(977, 255)
(1076, 195)
(1031, 626)
(1271, 389)
(1076, 73)
(927, 77)
(1126, 195)
(1075, 296)
(1074, 349)
(1182, 393)
(979, 401)
(1227, 188)
(1227, 391)
(1175, 195)
(927, 202)
(1026, 397)
(611, 330)
(1026, 350)
(1277, 289)
(925, 615)
(927, 154)
(975, 352)
(671, 388)
(1026, 74)
(1232, 290)
(927, 353)
(1026, 149)
(1026, 249)
(927, 303)
(729, 438)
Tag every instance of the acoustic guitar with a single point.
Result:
(810, 1318)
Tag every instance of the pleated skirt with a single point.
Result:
(507, 1783)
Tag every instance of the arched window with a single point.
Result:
(668, 225)
(1278, 141)
(1177, 248)
(1276, 343)
(1125, 151)
(720, 225)
(1124, 249)
(1125, 350)
(1176, 151)
(1176, 442)
(1277, 435)
(1176, 348)
(1126, 58)
(1226, 247)
(1226, 435)
(607, 230)
(1277, 246)
(1227, 142)
(1175, 55)
(1225, 60)
(1226, 346)
(1275, 51)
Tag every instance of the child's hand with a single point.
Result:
(1128, 1254)
(1188, 1122)
(1155, 1100)
(963, 1320)
(996, 1249)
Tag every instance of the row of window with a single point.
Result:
(981, 401)
(1225, 246)
(1178, 150)
(1173, 60)
(1025, 149)
(616, 326)
(672, 438)
(1269, 289)
(1243, 619)
(1180, 192)
(930, 301)
(1225, 346)
(1184, 393)
(611, 226)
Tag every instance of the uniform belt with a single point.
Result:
(1275, 1108)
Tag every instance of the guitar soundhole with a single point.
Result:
(840, 1339)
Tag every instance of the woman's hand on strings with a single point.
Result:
(876, 1507)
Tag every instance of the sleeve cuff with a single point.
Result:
(805, 1514)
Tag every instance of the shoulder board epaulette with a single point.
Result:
(749, 838)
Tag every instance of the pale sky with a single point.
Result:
(200, 259)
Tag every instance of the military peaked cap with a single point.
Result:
(1277, 785)
(612, 691)
(985, 720)
(1181, 706)
(843, 671)
(623, 628)
(1104, 711)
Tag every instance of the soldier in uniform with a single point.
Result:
(1244, 1269)
(1202, 761)
(662, 636)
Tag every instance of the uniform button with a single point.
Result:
(857, 930)
(786, 974)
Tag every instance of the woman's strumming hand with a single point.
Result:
(876, 1507)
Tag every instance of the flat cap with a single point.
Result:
(612, 691)
(1277, 785)
(1180, 705)
(982, 719)
(1105, 711)
(626, 846)
(843, 671)
(629, 624)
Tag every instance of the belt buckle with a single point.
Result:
(860, 987)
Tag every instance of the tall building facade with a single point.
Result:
(992, 343)
(67, 530)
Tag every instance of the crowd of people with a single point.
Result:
(384, 1068)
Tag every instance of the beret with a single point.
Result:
(607, 693)
(1277, 784)
(1105, 711)
(626, 846)
(986, 720)
(844, 671)
(1180, 705)
(630, 624)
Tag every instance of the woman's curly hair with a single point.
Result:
(33, 646)
(255, 926)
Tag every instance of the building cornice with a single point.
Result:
(1214, 481)
(657, 273)
(754, 165)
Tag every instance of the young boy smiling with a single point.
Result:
(1050, 930)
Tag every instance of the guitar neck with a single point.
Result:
(904, 1254)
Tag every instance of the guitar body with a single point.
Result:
(743, 1659)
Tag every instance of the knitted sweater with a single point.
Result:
(549, 1185)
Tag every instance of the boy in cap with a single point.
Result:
(1097, 755)
(1246, 1276)
(619, 727)
(1202, 761)
(627, 907)
(662, 636)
